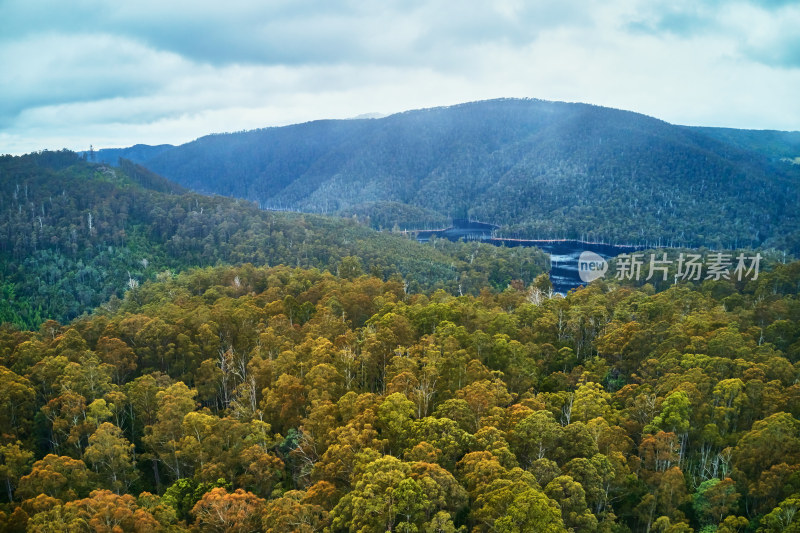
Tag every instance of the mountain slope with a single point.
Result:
(540, 169)
(73, 234)
(775, 145)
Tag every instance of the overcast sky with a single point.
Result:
(168, 71)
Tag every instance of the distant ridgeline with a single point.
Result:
(542, 169)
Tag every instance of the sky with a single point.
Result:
(114, 74)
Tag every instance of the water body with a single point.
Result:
(564, 254)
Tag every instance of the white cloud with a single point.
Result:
(151, 72)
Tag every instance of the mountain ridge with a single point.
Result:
(536, 168)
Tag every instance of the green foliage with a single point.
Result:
(293, 399)
(186, 492)
(75, 235)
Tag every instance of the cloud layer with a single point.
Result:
(116, 74)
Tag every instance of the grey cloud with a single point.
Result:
(682, 20)
(686, 24)
(188, 64)
(775, 4)
(776, 46)
(301, 32)
(782, 52)
(57, 69)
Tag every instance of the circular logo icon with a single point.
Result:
(591, 266)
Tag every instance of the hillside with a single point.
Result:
(280, 399)
(776, 145)
(74, 234)
(251, 370)
(536, 168)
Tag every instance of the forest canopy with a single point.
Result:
(176, 362)
(74, 234)
(255, 398)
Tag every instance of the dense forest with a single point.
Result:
(74, 234)
(538, 169)
(283, 399)
(177, 362)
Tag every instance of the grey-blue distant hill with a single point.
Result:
(536, 168)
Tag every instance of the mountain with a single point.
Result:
(138, 152)
(776, 145)
(74, 234)
(251, 370)
(537, 169)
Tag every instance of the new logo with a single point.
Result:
(591, 266)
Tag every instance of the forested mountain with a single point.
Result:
(213, 366)
(775, 145)
(280, 399)
(74, 234)
(536, 168)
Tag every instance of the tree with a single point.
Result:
(660, 451)
(482, 396)
(390, 494)
(442, 522)
(409, 504)
(350, 267)
(142, 401)
(106, 512)
(771, 441)
(733, 524)
(285, 403)
(675, 415)
(476, 469)
(715, 499)
(184, 493)
(515, 507)
(535, 437)
(671, 492)
(371, 506)
(17, 398)
(57, 519)
(116, 353)
(572, 500)
(591, 401)
(224, 512)
(69, 423)
(294, 512)
(355, 440)
(575, 440)
(14, 462)
(595, 476)
(783, 518)
(90, 378)
(163, 437)
(262, 470)
(111, 457)
(441, 488)
(56, 476)
(394, 420)
(448, 440)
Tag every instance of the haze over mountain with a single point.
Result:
(536, 168)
